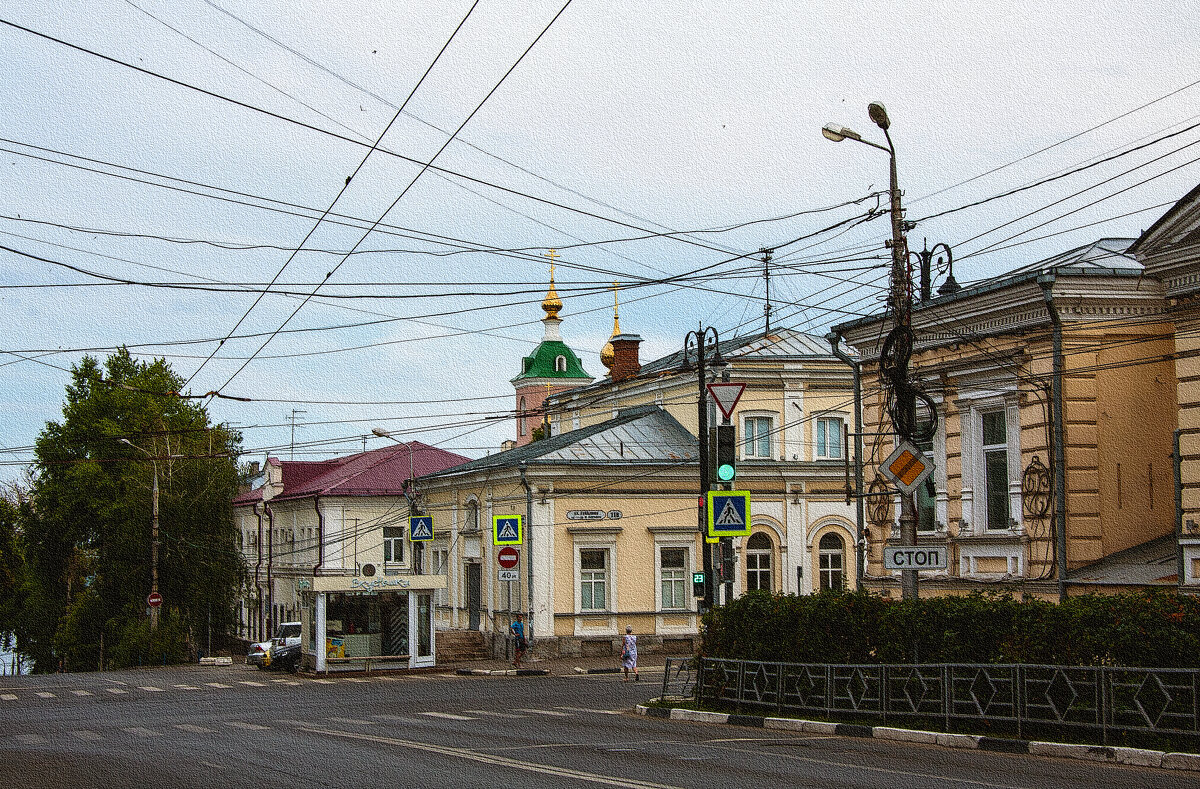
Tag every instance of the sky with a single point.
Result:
(175, 181)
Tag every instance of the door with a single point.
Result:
(474, 594)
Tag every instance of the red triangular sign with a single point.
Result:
(727, 396)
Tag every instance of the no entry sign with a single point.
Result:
(154, 599)
(508, 557)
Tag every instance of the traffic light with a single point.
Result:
(726, 453)
(697, 584)
(727, 566)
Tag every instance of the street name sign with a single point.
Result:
(420, 528)
(507, 557)
(508, 575)
(726, 395)
(924, 557)
(907, 467)
(506, 530)
(728, 513)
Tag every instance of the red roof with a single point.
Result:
(380, 472)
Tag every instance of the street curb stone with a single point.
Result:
(1140, 757)
(502, 672)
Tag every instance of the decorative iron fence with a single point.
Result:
(1096, 699)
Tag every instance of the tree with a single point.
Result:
(87, 534)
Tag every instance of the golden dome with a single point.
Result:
(552, 303)
(608, 353)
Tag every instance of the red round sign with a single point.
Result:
(508, 557)
(154, 600)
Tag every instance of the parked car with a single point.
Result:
(259, 653)
(284, 657)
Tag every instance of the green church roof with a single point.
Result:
(541, 363)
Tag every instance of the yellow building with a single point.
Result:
(1075, 352)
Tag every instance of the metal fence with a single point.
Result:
(1097, 699)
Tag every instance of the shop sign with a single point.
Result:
(303, 584)
(585, 515)
(375, 584)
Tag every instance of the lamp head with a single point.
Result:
(878, 115)
(832, 131)
(125, 441)
(379, 431)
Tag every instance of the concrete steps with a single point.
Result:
(459, 645)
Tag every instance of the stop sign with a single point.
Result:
(154, 600)
(508, 557)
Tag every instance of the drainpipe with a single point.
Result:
(528, 547)
(1177, 462)
(270, 566)
(859, 518)
(320, 536)
(258, 572)
(1059, 480)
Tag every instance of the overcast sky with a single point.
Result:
(211, 166)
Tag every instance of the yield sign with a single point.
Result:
(727, 396)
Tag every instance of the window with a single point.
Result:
(393, 544)
(756, 442)
(672, 564)
(472, 523)
(829, 437)
(521, 417)
(560, 364)
(926, 493)
(441, 561)
(758, 562)
(593, 579)
(995, 469)
(832, 555)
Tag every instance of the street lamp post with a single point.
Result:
(894, 365)
(153, 531)
(701, 342)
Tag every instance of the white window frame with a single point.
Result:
(824, 572)
(560, 364)
(819, 424)
(974, 484)
(391, 542)
(749, 450)
(684, 579)
(758, 553)
(607, 579)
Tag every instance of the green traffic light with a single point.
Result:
(725, 472)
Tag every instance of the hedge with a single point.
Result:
(1146, 628)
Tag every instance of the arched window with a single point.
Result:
(472, 523)
(560, 364)
(758, 562)
(832, 553)
(521, 417)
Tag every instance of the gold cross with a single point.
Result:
(552, 254)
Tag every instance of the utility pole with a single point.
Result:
(699, 339)
(766, 253)
(153, 529)
(292, 448)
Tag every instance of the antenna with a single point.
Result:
(292, 419)
(766, 253)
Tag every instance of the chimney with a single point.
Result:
(625, 357)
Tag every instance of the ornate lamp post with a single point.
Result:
(703, 343)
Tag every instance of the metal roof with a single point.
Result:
(637, 435)
(1101, 255)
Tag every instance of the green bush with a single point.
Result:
(1145, 628)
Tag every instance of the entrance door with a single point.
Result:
(474, 594)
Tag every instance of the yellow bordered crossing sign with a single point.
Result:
(507, 530)
(728, 513)
(907, 467)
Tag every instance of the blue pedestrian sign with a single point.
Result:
(420, 528)
(506, 530)
(728, 513)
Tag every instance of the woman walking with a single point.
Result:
(629, 655)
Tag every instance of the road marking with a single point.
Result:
(150, 688)
(193, 728)
(84, 734)
(253, 726)
(353, 721)
(8, 696)
(186, 687)
(288, 682)
(551, 713)
(116, 690)
(354, 679)
(142, 731)
(491, 714)
(391, 679)
(30, 739)
(596, 712)
(398, 719)
(447, 715)
(82, 692)
(43, 694)
(217, 685)
(325, 681)
(492, 760)
(252, 682)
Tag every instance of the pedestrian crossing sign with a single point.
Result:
(420, 528)
(507, 530)
(728, 513)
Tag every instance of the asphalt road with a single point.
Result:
(238, 727)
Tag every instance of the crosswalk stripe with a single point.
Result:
(217, 685)
(150, 688)
(491, 714)
(353, 721)
(193, 728)
(551, 713)
(243, 725)
(30, 739)
(252, 682)
(324, 681)
(8, 696)
(141, 731)
(585, 709)
(116, 690)
(84, 734)
(43, 694)
(186, 687)
(447, 716)
(82, 692)
(355, 679)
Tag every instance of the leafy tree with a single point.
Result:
(87, 535)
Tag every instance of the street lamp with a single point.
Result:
(702, 342)
(153, 530)
(379, 431)
(897, 348)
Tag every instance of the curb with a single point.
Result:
(579, 670)
(1138, 757)
(502, 672)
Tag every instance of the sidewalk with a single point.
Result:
(649, 665)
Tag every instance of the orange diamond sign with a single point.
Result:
(907, 467)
